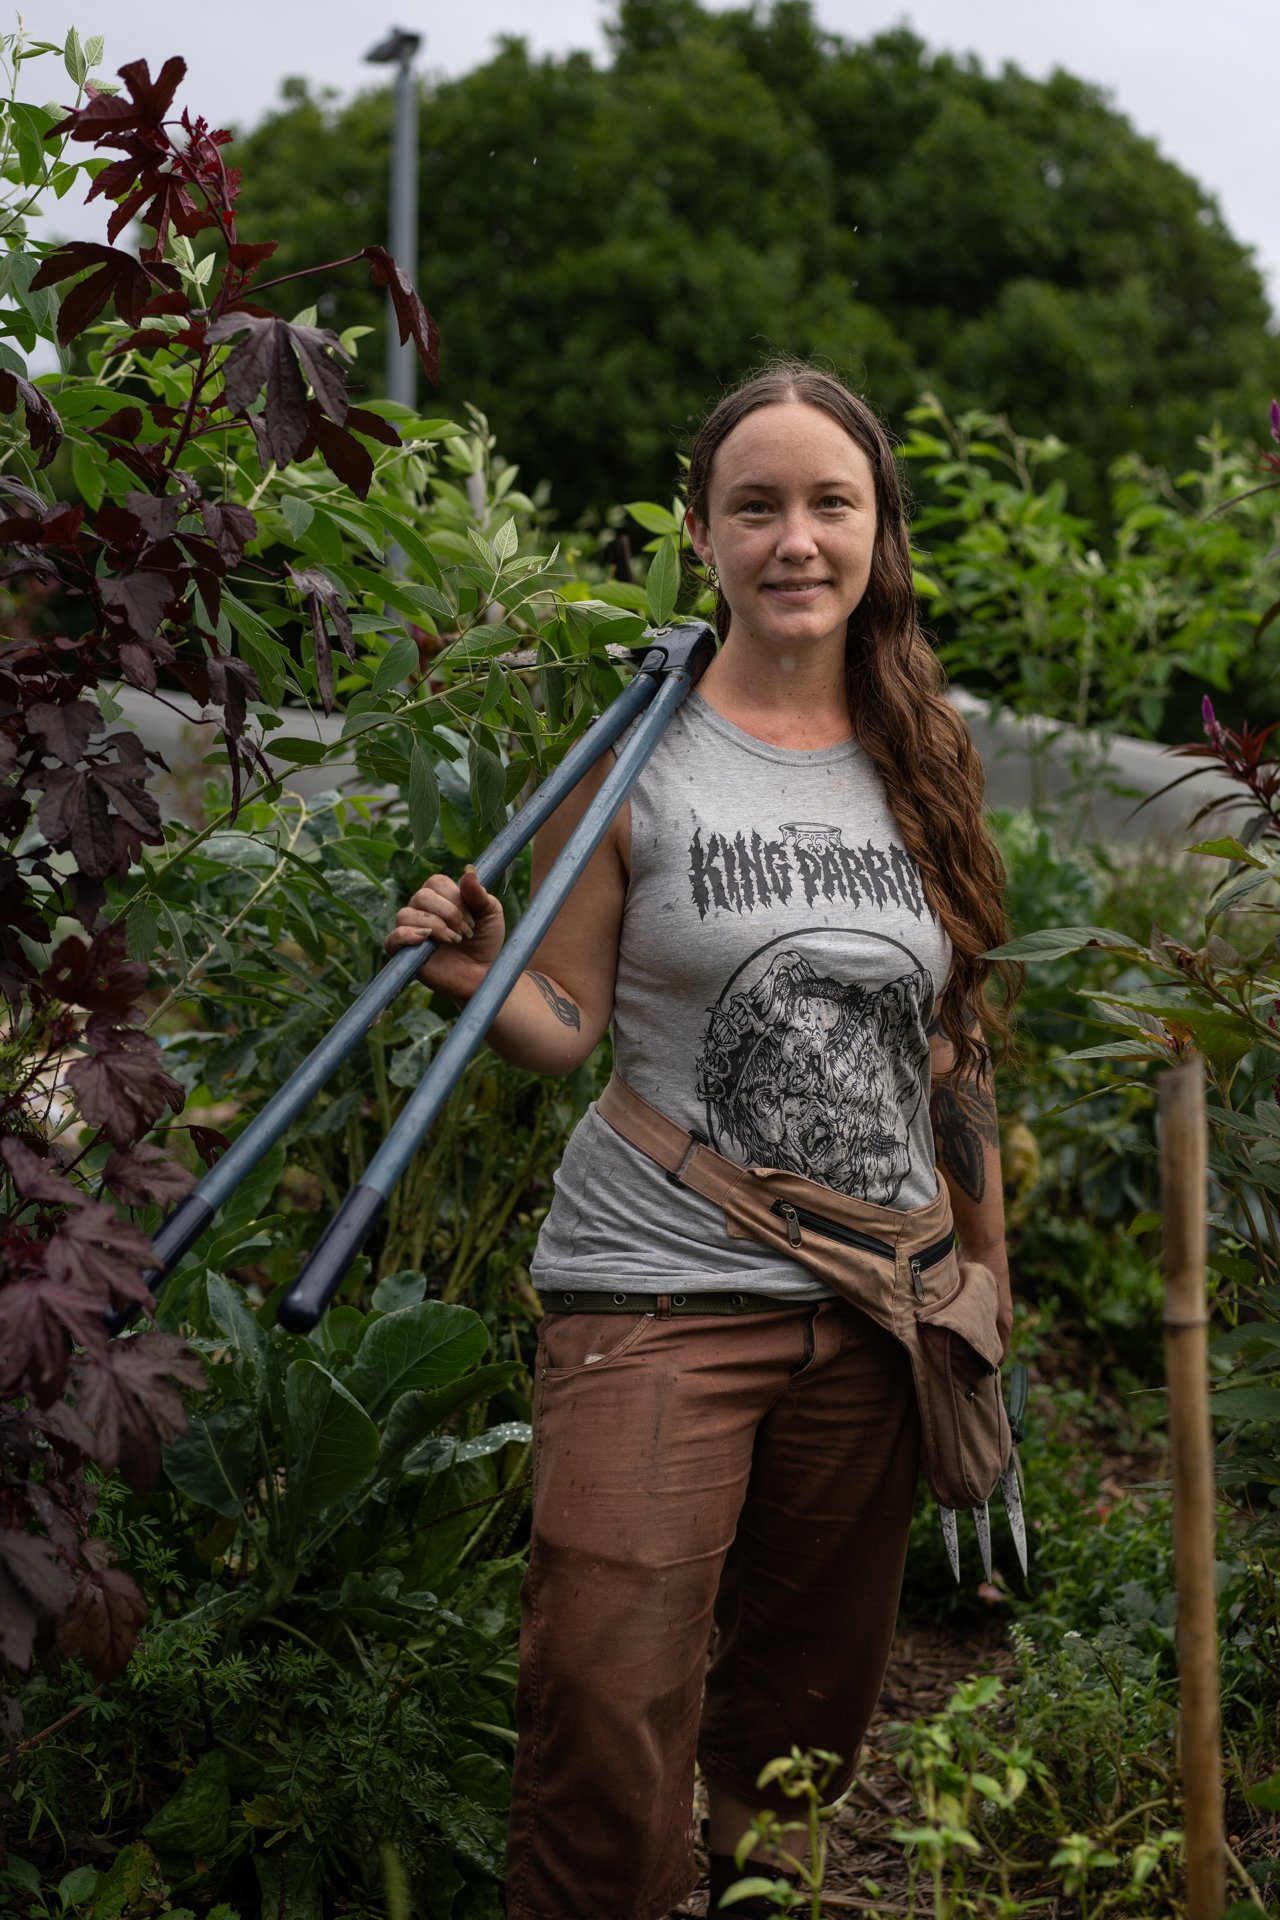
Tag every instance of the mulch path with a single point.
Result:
(925, 1667)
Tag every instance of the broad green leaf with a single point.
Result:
(93, 50)
(76, 1887)
(1228, 849)
(142, 931)
(505, 540)
(88, 474)
(653, 518)
(396, 664)
(488, 780)
(1050, 943)
(662, 588)
(1250, 1333)
(403, 1289)
(194, 1822)
(259, 646)
(1246, 1403)
(230, 1313)
(1239, 889)
(212, 1460)
(423, 795)
(298, 512)
(333, 1444)
(1266, 1794)
(305, 753)
(411, 542)
(425, 1346)
(418, 1414)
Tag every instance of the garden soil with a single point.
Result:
(926, 1666)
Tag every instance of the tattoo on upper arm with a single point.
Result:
(564, 1009)
(964, 1122)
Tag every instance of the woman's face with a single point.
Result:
(790, 527)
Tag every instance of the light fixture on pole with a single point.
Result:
(398, 50)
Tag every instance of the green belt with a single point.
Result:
(665, 1304)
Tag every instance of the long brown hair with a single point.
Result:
(894, 685)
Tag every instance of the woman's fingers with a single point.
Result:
(448, 913)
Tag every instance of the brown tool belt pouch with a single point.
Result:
(900, 1268)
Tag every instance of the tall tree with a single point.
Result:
(607, 246)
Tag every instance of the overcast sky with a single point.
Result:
(1199, 80)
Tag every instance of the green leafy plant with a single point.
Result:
(803, 1777)
(1074, 624)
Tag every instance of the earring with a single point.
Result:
(713, 579)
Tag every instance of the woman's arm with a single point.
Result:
(560, 1007)
(966, 1143)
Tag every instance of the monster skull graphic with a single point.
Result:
(815, 1074)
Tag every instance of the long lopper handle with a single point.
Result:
(346, 1233)
(661, 648)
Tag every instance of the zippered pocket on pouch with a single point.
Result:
(799, 1218)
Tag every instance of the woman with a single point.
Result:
(785, 926)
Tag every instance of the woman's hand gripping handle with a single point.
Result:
(467, 925)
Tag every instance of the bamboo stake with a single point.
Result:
(1183, 1155)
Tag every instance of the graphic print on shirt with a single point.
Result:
(817, 1074)
(738, 872)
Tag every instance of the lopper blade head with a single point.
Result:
(1013, 1507)
(982, 1522)
(951, 1538)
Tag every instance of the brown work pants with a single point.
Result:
(755, 1473)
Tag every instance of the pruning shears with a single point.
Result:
(1010, 1487)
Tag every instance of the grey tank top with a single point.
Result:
(777, 970)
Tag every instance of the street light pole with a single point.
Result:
(398, 50)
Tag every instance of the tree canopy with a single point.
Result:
(605, 247)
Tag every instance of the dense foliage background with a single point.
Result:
(258, 1593)
(737, 182)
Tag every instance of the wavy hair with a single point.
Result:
(895, 684)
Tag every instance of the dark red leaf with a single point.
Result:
(73, 813)
(98, 976)
(122, 783)
(37, 1178)
(118, 177)
(40, 1319)
(209, 1143)
(140, 599)
(125, 210)
(33, 1581)
(271, 356)
(66, 730)
(343, 454)
(124, 1087)
(412, 318)
(231, 683)
(360, 420)
(125, 425)
(245, 256)
(88, 897)
(157, 514)
(102, 1623)
(138, 663)
(132, 1404)
(147, 1175)
(230, 527)
(153, 98)
(102, 1253)
(106, 116)
(44, 428)
(324, 597)
(28, 496)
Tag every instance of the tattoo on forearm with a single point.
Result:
(564, 1010)
(963, 1113)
